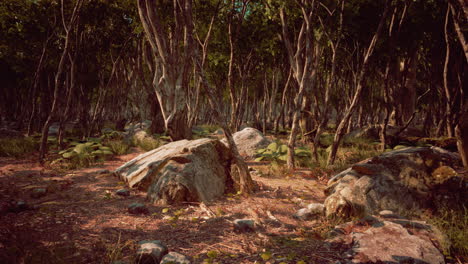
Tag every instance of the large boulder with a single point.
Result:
(249, 140)
(193, 171)
(403, 180)
(375, 240)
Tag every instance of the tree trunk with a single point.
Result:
(58, 78)
(340, 131)
(448, 92)
(461, 132)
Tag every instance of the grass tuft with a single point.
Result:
(17, 147)
(118, 147)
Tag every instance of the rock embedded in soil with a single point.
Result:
(99, 172)
(19, 206)
(379, 240)
(244, 225)
(407, 180)
(38, 192)
(181, 171)
(312, 211)
(389, 214)
(150, 252)
(123, 192)
(137, 208)
(175, 258)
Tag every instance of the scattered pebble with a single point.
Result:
(175, 258)
(244, 225)
(103, 172)
(123, 192)
(389, 214)
(137, 208)
(312, 211)
(150, 252)
(38, 192)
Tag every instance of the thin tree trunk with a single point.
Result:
(58, 76)
(340, 131)
(448, 92)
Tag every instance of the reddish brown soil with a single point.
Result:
(81, 220)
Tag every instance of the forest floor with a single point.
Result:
(82, 220)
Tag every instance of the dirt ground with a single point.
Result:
(82, 220)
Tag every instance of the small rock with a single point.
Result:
(137, 208)
(103, 172)
(123, 192)
(312, 211)
(19, 206)
(175, 258)
(38, 192)
(150, 251)
(244, 225)
(389, 214)
(316, 208)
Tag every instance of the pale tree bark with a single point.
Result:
(172, 48)
(58, 75)
(448, 91)
(340, 131)
(302, 62)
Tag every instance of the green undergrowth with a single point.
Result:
(453, 222)
(17, 147)
(204, 131)
(152, 142)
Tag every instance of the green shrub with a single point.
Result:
(148, 143)
(210, 128)
(17, 147)
(84, 154)
(277, 153)
(118, 147)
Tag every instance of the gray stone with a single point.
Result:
(19, 206)
(38, 192)
(244, 225)
(181, 171)
(410, 180)
(175, 258)
(123, 192)
(137, 208)
(103, 172)
(389, 214)
(150, 252)
(249, 140)
(312, 211)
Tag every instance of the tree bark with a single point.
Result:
(58, 76)
(172, 48)
(447, 90)
(461, 132)
(340, 131)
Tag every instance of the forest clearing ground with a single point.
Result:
(81, 220)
